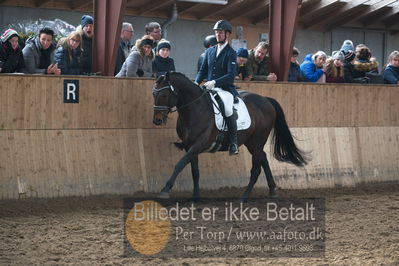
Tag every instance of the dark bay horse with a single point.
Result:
(196, 128)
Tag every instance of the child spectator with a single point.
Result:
(68, 55)
(335, 68)
(163, 63)
(11, 57)
(242, 58)
(39, 53)
(391, 72)
(294, 74)
(312, 67)
(139, 61)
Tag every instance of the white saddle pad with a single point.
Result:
(243, 121)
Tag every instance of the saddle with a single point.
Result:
(240, 112)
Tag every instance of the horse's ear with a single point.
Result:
(167, 76)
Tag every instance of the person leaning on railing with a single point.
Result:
(11, 58)
(39, 53)
(391, 72)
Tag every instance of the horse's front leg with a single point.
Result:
(165, 192)
(195, 174)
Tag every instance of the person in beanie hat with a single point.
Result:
(349, 68)
(163, 63)
(139, 61)
(86, 30)
(334, 69)
(347, 45)
(242, 58)
(11, 57)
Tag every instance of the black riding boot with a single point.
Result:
(232, 129)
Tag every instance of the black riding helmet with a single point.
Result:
(222, 25)
(209, 41)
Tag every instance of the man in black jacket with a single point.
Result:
(125, 45)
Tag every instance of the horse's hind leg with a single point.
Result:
(269, 176)
(255, 171)
(195, 174)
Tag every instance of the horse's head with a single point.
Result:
(165, 98)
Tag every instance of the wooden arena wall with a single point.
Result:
(107, 144)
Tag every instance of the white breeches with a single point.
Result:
(227, 99)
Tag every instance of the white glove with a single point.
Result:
(196, 83)
(210, 84)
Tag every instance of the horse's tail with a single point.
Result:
(285, 149)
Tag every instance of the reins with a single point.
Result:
(169, 109)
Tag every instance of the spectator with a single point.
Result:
(163, 63)
(125, 45)
(364, 67)
(39, 53)
(258, 63)
(294, 74)
(209, 41)
(335, 68)
(347, 45)
(11, 57)
(312, 67)
(68, 54)
(363, 64)
(349, 68)
(242, 58)
(86, 30)
(139, 61)
(154, 30)
(391, 72)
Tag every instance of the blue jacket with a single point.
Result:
(309, 71)
(391, 74)
(221, 69)
(67, 66)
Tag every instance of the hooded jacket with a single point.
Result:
(11, 60)
(309, 70)
(391, 74)
(32, 53)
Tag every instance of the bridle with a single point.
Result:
(168, 108)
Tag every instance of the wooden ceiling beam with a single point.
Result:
(41, 3)
(249, 8)
(154, 5)
(264, 15)
(217, 9)
(318, 6)
(187, 8)
(77, 4)
(331, 16)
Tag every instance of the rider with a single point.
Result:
(219, 69)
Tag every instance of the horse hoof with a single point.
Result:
(273, 194)
(194, 199)
(164, 195)
(244, 200)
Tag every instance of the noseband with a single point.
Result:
(164, 107)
